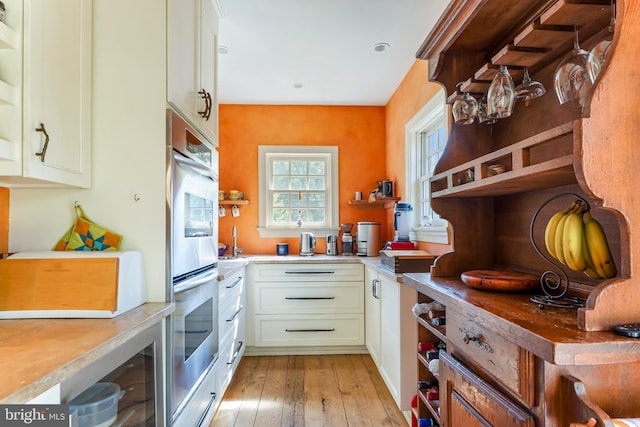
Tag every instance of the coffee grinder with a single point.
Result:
(347, 239)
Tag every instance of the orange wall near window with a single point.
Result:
(359, 132)
(410, 96)
(4, 220)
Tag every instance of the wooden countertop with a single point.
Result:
(36, 354)
(550, 333)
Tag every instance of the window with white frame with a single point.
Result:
(426, 137)
(298, 190)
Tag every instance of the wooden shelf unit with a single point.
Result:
(427, 332)
(547, 150)
(385, 203)
(535, 43)
(233, 202)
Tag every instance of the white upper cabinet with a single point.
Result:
(192, 63)
(55, 148)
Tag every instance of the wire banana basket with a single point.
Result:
(554, 282)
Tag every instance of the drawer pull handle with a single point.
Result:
(234, 284)
(310, 330)
(236, 353)
(235, 314)
(309, 272)
(212, 398)
(468, 336)
(308, 298)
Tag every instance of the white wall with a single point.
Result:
(129, 144)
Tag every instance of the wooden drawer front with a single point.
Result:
(308, 272)
(231, 315)
(310, 330)
(231, 287)
(466, 400)
(301, 298)
(480, 346)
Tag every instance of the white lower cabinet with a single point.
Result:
(391, 332)
(231, 327)
(306, 304)
(372, 313)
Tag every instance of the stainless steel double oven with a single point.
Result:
(193, 254)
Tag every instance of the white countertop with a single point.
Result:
(229, 266)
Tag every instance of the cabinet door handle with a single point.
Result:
(311, 330)
(374, 288)
(234, 284)
(309, 272)
(207, 104)
(236, 353)
(235, 314)
(308, 298)
(43, 152)
(468, 336)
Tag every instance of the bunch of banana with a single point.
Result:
(577, 240)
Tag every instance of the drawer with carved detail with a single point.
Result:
(475, 341)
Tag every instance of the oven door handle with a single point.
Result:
(202, 169)
(194, 283)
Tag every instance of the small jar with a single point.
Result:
(1, 11)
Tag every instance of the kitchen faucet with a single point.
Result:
(235, 249)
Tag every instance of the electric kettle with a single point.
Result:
(307, 243)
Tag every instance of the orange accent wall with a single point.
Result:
(4, 220)
(359, 132)
(410, 96)
(371, 144)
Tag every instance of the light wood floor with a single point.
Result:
(308, 391)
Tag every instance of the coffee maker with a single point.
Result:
(385, 188)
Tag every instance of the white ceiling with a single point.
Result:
(326, 45)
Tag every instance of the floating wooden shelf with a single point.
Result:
(233, 202)
(374, 204)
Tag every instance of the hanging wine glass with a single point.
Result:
(571, 80)
(501, 95)
(483, 113)
(529, 89)
(600, 49)
(465, 108)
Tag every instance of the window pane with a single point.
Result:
(441, 137)
(281, 167)
(280, 182)
(425, 190)
(299, 200)
(317, 200)
(294, 215)
(280, 215)
(433, 142)
(298, 167)
(280, 200)
(316, 183)
(316, 167)
(298, 182)
(316, 215)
